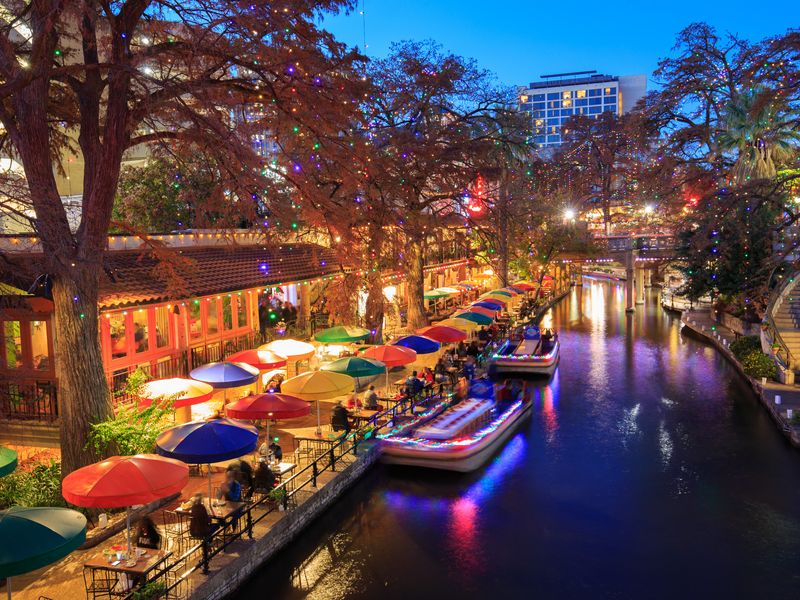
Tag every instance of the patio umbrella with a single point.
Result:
(490, 304)
(318, 385)
(341, 334)
(36, 537)
(268, 407)
(462, 324)
(450, 291)
(524, 285)
(489, 312)
(206, 442)
(434, 294)
(499, 292)
(293, 350)
(495, 296)
(356, 367)
(443, 333)
(125, 481)
(418, 343)
(263, 360)
(514, 288)
(186, 392)
(223, 375)
(478, 318)
(391, 356)
(8, 461)
(465, 284)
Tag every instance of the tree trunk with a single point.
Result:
(502, 237)
(415, 279)
(83, 395)
(375, 307)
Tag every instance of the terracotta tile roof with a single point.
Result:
(131, 277)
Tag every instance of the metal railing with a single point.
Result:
(772, 334)
(28, 400)
(283, 495)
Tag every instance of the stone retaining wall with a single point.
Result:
(226, 581)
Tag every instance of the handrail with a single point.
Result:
(772, 328)
(313, 470)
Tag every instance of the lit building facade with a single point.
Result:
(552, 101)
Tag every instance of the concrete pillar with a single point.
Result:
(648, 278)
(639, 281)
(630, 300)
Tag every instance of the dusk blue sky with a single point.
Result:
(521, 40)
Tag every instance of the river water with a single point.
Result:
(647, 470)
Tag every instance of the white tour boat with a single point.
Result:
(527, 351)
(461, 438)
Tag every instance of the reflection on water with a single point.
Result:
(646, 471)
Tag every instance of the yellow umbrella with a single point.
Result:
(318, 385)
(462, 324)
(293, 350)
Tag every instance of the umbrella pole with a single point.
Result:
(209, 485)
(8, 587)
(319, 429)
(268, 440)
(128, 525)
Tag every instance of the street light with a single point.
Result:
(569, 214)
(648, 209)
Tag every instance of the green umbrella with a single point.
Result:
(434, 294)
(355, 366)
(501, 292)
(341, 334)
(8, 461)
(40, 535)
(478, 318)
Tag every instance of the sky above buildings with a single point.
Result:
(519, 40)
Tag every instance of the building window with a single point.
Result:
(580, 94)
(609, 91)
(227, 313)
(39, 349)
(595, 92)
(538, 122)
(141, 331)
(566, 112)
(13, 342)
(119, 338)
(566, 95)
(195, 321)
(553, 96)
(610, 108)
(162, 326)
(212, 316)
(567, 103)
(583, 102)
(593, 101)
(538, 97)
(241, 310)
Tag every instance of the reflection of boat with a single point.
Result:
(527, 351)
(461, 438)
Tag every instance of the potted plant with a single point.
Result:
(151, 591)
(277, 496)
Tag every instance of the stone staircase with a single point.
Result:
(787, 320)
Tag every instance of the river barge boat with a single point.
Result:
(529, 351)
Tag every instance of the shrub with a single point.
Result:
(758, 364)
(745, 345)
(40, 486)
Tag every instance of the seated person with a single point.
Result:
(483, 334)
(371, 399)
(200, 525)
(413, 384)
(147, 535)
(275, 451)
(339, 421)
(231, 489)
(427, 376)
(264, 478)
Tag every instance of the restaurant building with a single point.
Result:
(196, 303)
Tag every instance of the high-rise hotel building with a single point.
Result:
(557, 97)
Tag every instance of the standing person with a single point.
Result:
(231, 489)
(275, 451)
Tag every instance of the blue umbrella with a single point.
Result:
(418, 343)
(488, 304)
(221, 375)
(206, 442)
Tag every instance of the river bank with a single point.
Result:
(776, 397)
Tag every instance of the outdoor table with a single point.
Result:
(217, 513)
(282, 469)
(135, 574)
(319, 445)
(362, 417)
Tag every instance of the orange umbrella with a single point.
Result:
(391, 356)
(186, 392)
(262, 360)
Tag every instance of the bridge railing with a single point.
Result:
(771, 335)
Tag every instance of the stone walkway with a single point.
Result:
(777, 397)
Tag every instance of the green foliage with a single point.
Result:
(132, 430)
(277, 495)
(150, 591)
(758, 364)
(40, 486)
(745, 345)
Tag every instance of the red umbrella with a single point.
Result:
(260, 359)
(391, 356)
(125, 481)
(483, 311)
(268, 406)
(443, 333)
(525, 286)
